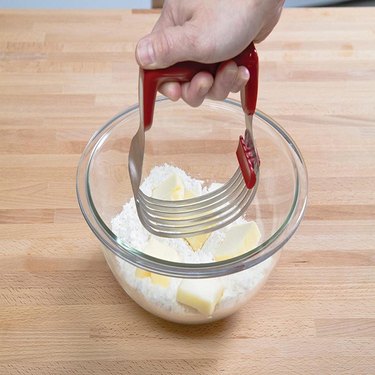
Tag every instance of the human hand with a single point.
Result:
(206, 31)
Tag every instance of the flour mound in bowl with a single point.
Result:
(174, 298)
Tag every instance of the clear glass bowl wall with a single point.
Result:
(201, 141)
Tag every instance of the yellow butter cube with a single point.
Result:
(155, 278)
(189, 194)
(196, 242)
(238, 240)
(171, 189)
(141, 273)
(200, 294)
(158, 249)
(161, 280)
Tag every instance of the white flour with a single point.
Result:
(128, 228)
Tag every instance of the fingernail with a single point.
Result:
(203, 90)
(145, 53)
(246, 74)
(231, 69)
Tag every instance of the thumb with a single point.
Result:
(167, 46)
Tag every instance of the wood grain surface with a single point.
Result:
(62, 74)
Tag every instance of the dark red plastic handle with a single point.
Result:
(150, 80)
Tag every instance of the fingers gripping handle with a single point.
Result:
(150, 80)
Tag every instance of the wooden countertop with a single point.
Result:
(62, 74)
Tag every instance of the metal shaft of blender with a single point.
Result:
(249, 125)
(137, 147)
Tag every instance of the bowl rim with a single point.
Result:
(189, 270)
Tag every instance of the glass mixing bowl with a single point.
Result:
(201, 141)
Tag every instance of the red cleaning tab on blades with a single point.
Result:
(246, 159)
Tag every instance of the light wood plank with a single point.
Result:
(63, 74)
